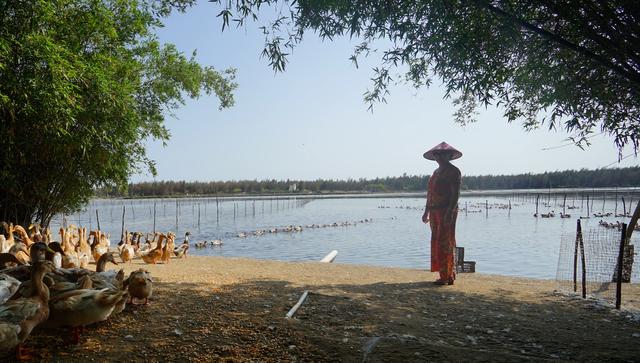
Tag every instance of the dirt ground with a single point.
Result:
(210, 309)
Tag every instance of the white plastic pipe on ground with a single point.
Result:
(330, 257)
(327, 259)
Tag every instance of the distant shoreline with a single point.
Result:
(340, 195)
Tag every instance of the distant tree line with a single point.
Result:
(620, 177)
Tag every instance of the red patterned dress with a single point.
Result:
(442, 199)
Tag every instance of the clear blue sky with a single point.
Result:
(311, 122)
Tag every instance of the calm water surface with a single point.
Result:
(502, 241)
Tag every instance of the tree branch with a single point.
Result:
(632, 77)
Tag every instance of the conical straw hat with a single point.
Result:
(443, 146)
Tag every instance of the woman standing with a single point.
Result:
(441, 210)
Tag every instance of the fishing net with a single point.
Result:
(601, 249)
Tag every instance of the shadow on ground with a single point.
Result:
(381, 322)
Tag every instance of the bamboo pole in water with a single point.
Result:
(98, 219)
(124, 209)
(564, 205)
(177, 213)
(154, 218)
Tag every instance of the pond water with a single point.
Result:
(371, 231)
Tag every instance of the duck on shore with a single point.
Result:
(139, 284)
(19, 317)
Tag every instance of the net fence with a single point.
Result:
(601, 249)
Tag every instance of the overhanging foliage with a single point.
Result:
(83, 84)
(562, 64)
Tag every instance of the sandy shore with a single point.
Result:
(232, 309)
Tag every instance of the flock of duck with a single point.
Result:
(617, 225)
(48, 283)
(552, 214)
(480, 207)
(298, 228)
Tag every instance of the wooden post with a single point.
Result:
(619, 270)
(584, 268)
(624, 207)
(98, 219)
(124, 208)
(486, 207)
(177, 213)
(575, 256)
(537, 199)
(198, 215)
(588, 214)
(634, 220)
(564, 205)
(466, 209)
